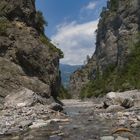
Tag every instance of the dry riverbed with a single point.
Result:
(82, 120)
(91, 122)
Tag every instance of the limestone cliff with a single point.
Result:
(27, 58)
(117, 39)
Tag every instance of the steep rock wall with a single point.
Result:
(118, 31)
(27, 58)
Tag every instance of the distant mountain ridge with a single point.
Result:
(66, 71)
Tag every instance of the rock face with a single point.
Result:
(23, 10)
(80, 77)
(27, 58)
(118, 31)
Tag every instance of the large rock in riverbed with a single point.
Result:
(126, 99)
(25, 97)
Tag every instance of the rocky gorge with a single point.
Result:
(30, 78)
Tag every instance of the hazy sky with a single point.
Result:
(72, 25)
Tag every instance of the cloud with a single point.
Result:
(76, 41)
(91, 6)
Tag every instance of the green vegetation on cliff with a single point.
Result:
(46, 41)
(114, 5)
(116, 79)
(40, 22)
(63, 93)
(4, 24)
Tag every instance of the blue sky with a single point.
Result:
(72, 25)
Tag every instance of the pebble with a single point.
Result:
(122, 122)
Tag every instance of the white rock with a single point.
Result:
(107, 138)
(127, 114)
(122, 122)
(135, 125)
(21, 104)
(126, 99)
(120, 114)
(121, 138)
(39, 124)
(111, 95)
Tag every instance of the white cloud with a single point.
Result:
(91, 6)
(76, 41)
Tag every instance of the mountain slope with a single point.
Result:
(66, 71)
(115, 63)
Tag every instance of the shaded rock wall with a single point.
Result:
(25, 60)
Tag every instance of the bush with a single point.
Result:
(100, 85)
(40, 22)
(114, 5)
(63, 93)
(131, 71)
(4, 24)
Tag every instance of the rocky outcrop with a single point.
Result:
(21, 10)
(125, 99)
(117, 34)
(27, 58)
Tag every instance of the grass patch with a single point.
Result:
(53, 48)
(63, 93)
(4, 24)
(114, 5)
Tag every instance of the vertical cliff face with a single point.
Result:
(21, 10)
(117, 34)
(27, 58)
(117, 30)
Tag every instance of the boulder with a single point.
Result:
(128, 103)
(125, 99)
(56, 107)
(114, 108)
(24, 97)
